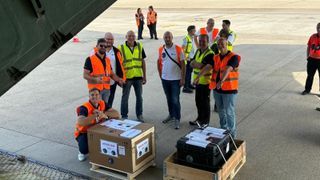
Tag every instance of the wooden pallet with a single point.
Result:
(174, 171)
(119, 174)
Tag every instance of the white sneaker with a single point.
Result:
(81, 157)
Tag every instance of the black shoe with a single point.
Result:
(185, 90)
(318, 108)
(305, 92)
(156, 38)
(203, 126)
(151, 38)
(192, 87)
(195, 123)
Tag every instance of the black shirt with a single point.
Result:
(88, 65)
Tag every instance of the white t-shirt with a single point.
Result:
(192, 51)
(209, 34)
(170, 70)
(112, 58)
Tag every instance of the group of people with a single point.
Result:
(151, 22)
(205, 55)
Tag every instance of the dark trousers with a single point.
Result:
(140, 29)
(137, 85)
(312, 67)
(203, 103)
(189, 69)
(153, 30)
(112, 92)
(83, 143)
(172, 90)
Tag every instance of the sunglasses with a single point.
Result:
(102, 46)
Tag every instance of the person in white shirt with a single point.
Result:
(208, 30)
(171, 68)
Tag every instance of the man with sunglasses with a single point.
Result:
(98, 71)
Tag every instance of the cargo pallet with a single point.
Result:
(120, 174)
(174, 171)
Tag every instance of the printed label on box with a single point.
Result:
(143, 148)
(122, 150)
(109, 148)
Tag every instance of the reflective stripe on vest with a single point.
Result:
(214, 33)
(232, 80)
(99, 71)
(83, 129)
(151, 17)
(132, 62)
(198, 58)
(178, 51)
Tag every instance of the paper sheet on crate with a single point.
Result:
(199, 137)
(120, 125)
(142, 148)
(130, 133)
(109, 148)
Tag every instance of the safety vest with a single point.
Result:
(137, 19)
(99, 71)
(132, 61)
(151, 17)
(314, 51)
(205, 79)
(188, 47)
(230, 46)
(83, 129)
(214, 33)
(178, 51)
(118, 58)
(232, 80)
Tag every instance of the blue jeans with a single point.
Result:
(137, 85)
(226, 109)
(172, 90)
(83, 143)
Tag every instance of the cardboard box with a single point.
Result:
(108, 147)
(174, 171)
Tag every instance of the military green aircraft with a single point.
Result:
(31, 30)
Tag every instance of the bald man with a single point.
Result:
(209, 30)
(171, 68)
(135, 71)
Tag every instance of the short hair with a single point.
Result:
(204, 36)
(191, 27)
(226, 21)
(151, 7)
(101, 40)
(223, 33)
(94, 89)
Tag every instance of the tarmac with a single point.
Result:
(280, 126)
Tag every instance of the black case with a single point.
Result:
(208, 158)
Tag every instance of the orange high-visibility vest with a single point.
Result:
(232, 80)
(214, 33)
(137, 19)
(314, 46)
(99, 71)
(119, 58)
(83, 129)
(151, 17)
(178, 51)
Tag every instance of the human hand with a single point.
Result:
(144, 80)
(182, 82)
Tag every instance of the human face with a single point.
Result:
(192, 32)
(94, 97)
(210, 23)
(225, 27)
(102, 48)
(203, 42)
(131, 37)
(110, 40)
(222, 46)
(167, 37)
